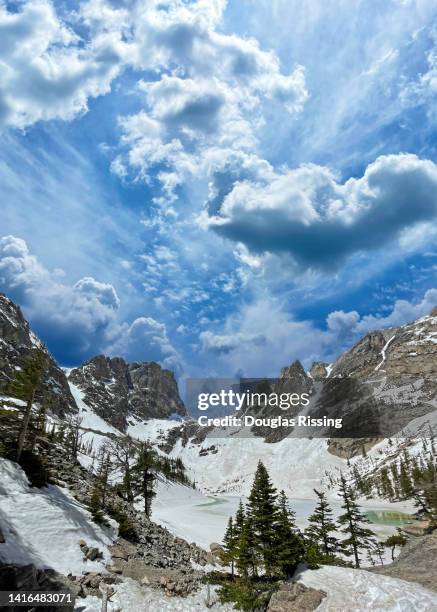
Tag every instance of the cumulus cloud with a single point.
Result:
(308, 213)
(211, 94)
(222, 343)
(240, 347)
(74, 318)
(47, 70)
(284, 338)
(402, 312)
(146, 338)
(79, 320)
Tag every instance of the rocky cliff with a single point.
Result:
(16, 343)
(117, 390)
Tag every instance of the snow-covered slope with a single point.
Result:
(131, 597)
(295, 465)
(350, 590)
(44, 526)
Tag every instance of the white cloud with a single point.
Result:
(308, 213)
(47, 71)
(81, 319)
(145, 339)
(77, 314)
(211, 94)
(240, 347)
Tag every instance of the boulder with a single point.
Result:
(295, 597)
(417, 562)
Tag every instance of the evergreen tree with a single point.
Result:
(27, 383)
(229, 545)
(246, 557)
(289, 546)
(397, 539)
(322, 526)
(239, 520)
(385, 484)
(144, 475)
(358, 537)
(263, 513)
(122, 452)
(404, 479)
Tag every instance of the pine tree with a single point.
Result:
(352, 521)
(385, 484)
(289, 546)
(229, 545)
(378, 548)
(144, 475)
(246, 557)
(122, 453)
(322, 525)
(263, 513)
(27, 383)
(239, 520)
(397, 539)
(404, 479)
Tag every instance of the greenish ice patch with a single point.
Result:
(388, 517)
(214, 501)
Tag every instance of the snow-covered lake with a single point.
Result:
(203, 519)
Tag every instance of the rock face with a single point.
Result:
(117, 390)
(295, 597)
(417, 562)
(385, 381)
(319, 370)
(30, 578)
(16, 343)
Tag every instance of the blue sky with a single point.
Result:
(219, 186)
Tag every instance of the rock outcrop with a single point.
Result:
(118, 391)
(417, 562)
(295, 597)
(16, 343)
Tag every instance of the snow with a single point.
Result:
(200, 518)
(297, 465)
(11, 400)
(152, 429)
(44, 526)
(90, 419)
(383, 351)
(329, 369)
(350, 590)
(130, 596)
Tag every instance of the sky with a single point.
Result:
(222, 187)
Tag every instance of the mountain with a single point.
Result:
(16, 343)
(385, 381)
(120, 392)
(113, 388)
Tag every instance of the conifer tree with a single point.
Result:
(358, 537)
(289, 546)
(263, 513)
(246, 557)
(229, 545)
(397, 539)
(404, 479)
(27, 383)
(385, 483)
(239, 520)
(144, 475)
(122, 453)
(322, 526)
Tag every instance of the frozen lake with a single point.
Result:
(203, 519)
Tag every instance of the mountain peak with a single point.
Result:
(116, 389)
